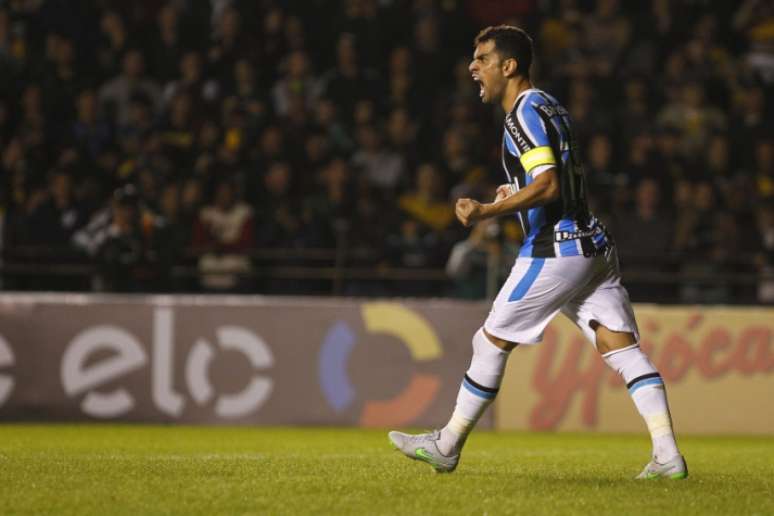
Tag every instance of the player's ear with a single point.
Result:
(510, 66)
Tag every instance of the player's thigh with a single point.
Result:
(604, 313)
(532, 295)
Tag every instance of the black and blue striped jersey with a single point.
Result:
(537, 137)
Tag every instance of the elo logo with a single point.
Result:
(397, 321)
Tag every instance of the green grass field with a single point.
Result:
(109, 470)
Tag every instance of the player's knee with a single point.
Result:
(505, 345)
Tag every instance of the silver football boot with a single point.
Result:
(424, 447)
(674, 469)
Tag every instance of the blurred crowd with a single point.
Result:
(141, 136)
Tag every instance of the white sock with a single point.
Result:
(647, 391)
(478, 390)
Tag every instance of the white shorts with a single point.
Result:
(583, 289)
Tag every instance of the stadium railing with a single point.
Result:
(360, 271)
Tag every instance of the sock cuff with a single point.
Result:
(619, 350)
(632, 364)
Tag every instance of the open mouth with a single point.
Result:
(478, 80)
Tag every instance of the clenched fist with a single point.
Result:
(468, 211)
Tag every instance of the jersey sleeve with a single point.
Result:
(528, 133)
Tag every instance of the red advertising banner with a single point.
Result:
(717, 363)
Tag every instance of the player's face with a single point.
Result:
(486, 69)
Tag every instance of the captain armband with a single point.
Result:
(536, 157)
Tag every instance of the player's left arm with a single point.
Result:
(543, 190)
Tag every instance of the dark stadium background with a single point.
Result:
(317, 147)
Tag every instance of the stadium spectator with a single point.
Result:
(641, 162)
(431, 62)
(118, 93)
(273, 42)
(764, 168)
(250, 94)
(647, 218)
(707, 271)
(191, 80)
(178, 231)
(748, 121)
(427, 218)
(383, 168)
(277, 211)
(167, 43)
(61, 81)
(692, 118)
(327, 213)
(401, 134)
(755, 18)
(634, 116)
(125, 241)
(401, 91)
(272, 147)
(297, 80)
(669, 156)
(328, 120)
(346, 83)
(694, 227)
(191, 196)
(231, 43)
(223, 235)
(603, 175)
(606, 35)
(717, 161)
(54, 221)
(90, 132)
(426, 203)
(115, 42)
(176, 135)
(455, 159)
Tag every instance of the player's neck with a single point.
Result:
(513, 90)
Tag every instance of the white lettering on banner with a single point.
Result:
(78, 378)
(6, 359)
(257, 353)
(196, 371)
(164, 396)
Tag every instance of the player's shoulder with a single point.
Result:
(538, 101)
(524, 99)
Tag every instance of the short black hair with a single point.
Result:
(510, 42)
